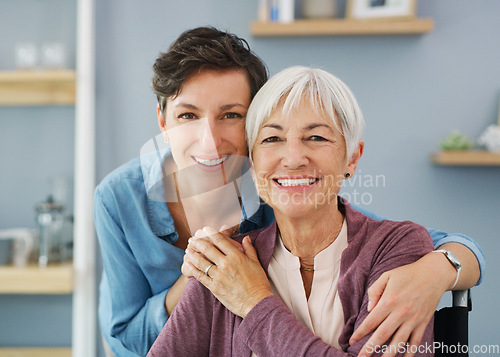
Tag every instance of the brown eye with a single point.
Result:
(317, 138)
(271, 139)
(232, 116)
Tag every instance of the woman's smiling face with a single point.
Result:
(300, 161)
(205, 124)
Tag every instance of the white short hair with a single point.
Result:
(327, 93)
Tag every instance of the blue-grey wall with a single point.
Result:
(36, 147)
(413, 90)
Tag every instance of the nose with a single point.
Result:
(210, 136)
(295, 154)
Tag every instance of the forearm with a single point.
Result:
(138, 333)
(174, 294)
(270, 328)
(469, 274)
(475, 269)
(441, 238)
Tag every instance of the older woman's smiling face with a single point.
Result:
(300, 161)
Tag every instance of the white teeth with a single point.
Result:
(213, 162)
(296, 182)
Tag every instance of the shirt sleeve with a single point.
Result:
(439, 238)
(137, 316)
(270, 326)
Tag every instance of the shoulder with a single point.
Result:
(120, 186)
(131, 170)
(367, 231)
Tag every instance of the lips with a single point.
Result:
(295, 182)
(212, 161)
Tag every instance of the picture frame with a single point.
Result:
(381, 9)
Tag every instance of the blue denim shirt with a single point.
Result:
(136, 232)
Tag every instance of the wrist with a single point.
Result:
(450, 265)
(255, 301)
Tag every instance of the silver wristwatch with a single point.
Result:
(452, 258)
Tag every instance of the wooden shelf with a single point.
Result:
(35, 352)
(54, 279)
(339, 27)
(37, 87)
(466, 158)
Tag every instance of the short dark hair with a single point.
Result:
(204, 48)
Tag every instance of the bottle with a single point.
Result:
(286, 12)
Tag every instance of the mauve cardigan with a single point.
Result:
(201, 326)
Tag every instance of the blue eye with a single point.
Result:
(187, 116)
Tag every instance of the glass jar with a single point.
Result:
(50, 224)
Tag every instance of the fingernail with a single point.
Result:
(209, 231)
(370, 305)
(199, 233)
(224, 227)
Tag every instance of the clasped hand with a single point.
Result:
(236, 277)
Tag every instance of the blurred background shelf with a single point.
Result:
(35, 352)
(54, 279)
(466, 158)
(342, 27)
(55, 87)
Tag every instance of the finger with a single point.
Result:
(370, 323)
(211, 251)
(220, 241)
(398, 342)
(197, 260)
(186, 267)
(415, 339)
(198, 275)
(249, 250)
(376, 290)
(199, 233)
(228, 231)
(380, 336)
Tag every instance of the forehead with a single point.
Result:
(305, 114)
(213, 84)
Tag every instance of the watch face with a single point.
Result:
(453, 259)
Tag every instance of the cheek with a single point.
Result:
(237, 137)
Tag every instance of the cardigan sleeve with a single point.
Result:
(188, 331)
(270, 328)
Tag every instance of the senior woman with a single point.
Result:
(300, 285)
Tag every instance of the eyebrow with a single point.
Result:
(307, 128)
(222, 107)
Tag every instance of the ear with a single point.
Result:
(353, 163)
(161, 122)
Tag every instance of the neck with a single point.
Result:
(214, 208)
(306, 237)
